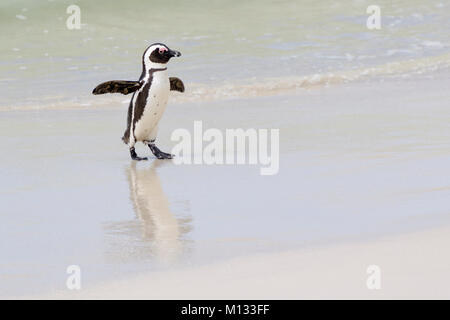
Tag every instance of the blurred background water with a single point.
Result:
(43, 63)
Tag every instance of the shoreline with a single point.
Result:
(259, 87)
(350, 167)
(332, 272)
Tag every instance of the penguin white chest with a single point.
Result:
(158, 95)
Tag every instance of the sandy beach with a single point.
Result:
(413, 266)
(352, 170)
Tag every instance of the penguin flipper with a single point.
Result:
(117, 86)
(176, 84)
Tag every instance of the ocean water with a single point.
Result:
(230, 48)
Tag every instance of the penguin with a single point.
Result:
(149, 100)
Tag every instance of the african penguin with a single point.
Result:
(149, 100)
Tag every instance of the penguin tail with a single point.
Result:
(126, 137)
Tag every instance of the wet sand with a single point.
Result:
(357, 162)
(413, 266)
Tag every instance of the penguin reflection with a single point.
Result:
(152, 207)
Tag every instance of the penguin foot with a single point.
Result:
(158, 153)
(139, 158)
(134, 156)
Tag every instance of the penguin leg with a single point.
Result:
(134, 156)
(158, 153)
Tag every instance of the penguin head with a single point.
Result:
(158, 54)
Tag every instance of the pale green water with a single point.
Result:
(43, 63)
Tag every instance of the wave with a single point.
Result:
(257, 87)
(286, 85)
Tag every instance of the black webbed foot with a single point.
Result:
(134, 156)
(158, 153)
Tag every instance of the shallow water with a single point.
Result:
(42, 63)
(350, 168)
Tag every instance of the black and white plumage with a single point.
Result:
(149, 100)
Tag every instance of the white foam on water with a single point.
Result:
(272, 48)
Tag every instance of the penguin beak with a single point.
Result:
(173, 53)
